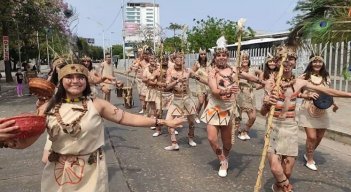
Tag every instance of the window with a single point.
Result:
(150, 17)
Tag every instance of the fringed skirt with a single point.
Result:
(182, 106)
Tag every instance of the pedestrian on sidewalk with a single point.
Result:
(19, 78)
(283, 148)
(315, 122)
(77, 160)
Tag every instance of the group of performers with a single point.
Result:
(226, 92)
(73, 154)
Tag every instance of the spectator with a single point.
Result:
(19, 78)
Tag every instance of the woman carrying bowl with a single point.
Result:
(74, 122)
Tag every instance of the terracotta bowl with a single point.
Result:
(29, 125)
(41, 87)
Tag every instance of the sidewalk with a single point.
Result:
(340, 129)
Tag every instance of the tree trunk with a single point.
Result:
(8, 74)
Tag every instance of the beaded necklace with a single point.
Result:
(67, 100)
(72, 128)
(287, 80)
(316, 79)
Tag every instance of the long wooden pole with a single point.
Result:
(236, 77)
(161, 77)
(269, 129)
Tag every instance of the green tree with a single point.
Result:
(22, 19)
(206, 32)
(117, 50)
(174, 27)
(172, 44)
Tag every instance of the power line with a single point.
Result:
(117, 15)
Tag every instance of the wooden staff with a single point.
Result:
(237, 65)
(269, 128)
(161, 75)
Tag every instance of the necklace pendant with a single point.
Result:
(54, 132)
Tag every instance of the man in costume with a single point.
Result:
(108, 73)
(283, 148)
(138, 67)
(182, 105)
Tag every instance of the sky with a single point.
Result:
(98, 18)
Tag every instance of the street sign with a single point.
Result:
(89, 40)
(5, 41)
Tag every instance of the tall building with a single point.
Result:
(140, 19)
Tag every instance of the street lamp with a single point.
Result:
(103, 33)
(111, 43)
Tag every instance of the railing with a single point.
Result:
(336, 55)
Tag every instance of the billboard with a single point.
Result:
(131, 28)
(89, 40)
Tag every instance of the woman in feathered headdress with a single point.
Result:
(219, 112)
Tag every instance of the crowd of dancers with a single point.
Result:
(73, 154)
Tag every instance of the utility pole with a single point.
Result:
(124, 37)
(154, 27)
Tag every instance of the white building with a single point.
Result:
(140, 19)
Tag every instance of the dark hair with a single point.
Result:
(249, 64)
(204, 63)
(61, 94)
(267, 71)
(90, 66)
(323, 72)
(54, 74)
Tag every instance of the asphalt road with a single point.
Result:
(138, 162)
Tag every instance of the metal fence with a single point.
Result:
(336, 55)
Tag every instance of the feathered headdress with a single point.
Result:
(269, 58)
(221, 45)
(202, 50)
(179, 54)
(244, 54)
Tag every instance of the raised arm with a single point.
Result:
(116, 115)
(326, 90)
(251, 78)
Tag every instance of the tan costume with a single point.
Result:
(283, 140)
(202, 73)
(182, 103)
(220, 111)
(152, 94)
(80, 163)
(320, 118)
(141, 87)
(107, 71)
(246, 98)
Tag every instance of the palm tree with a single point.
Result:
(174, 27)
